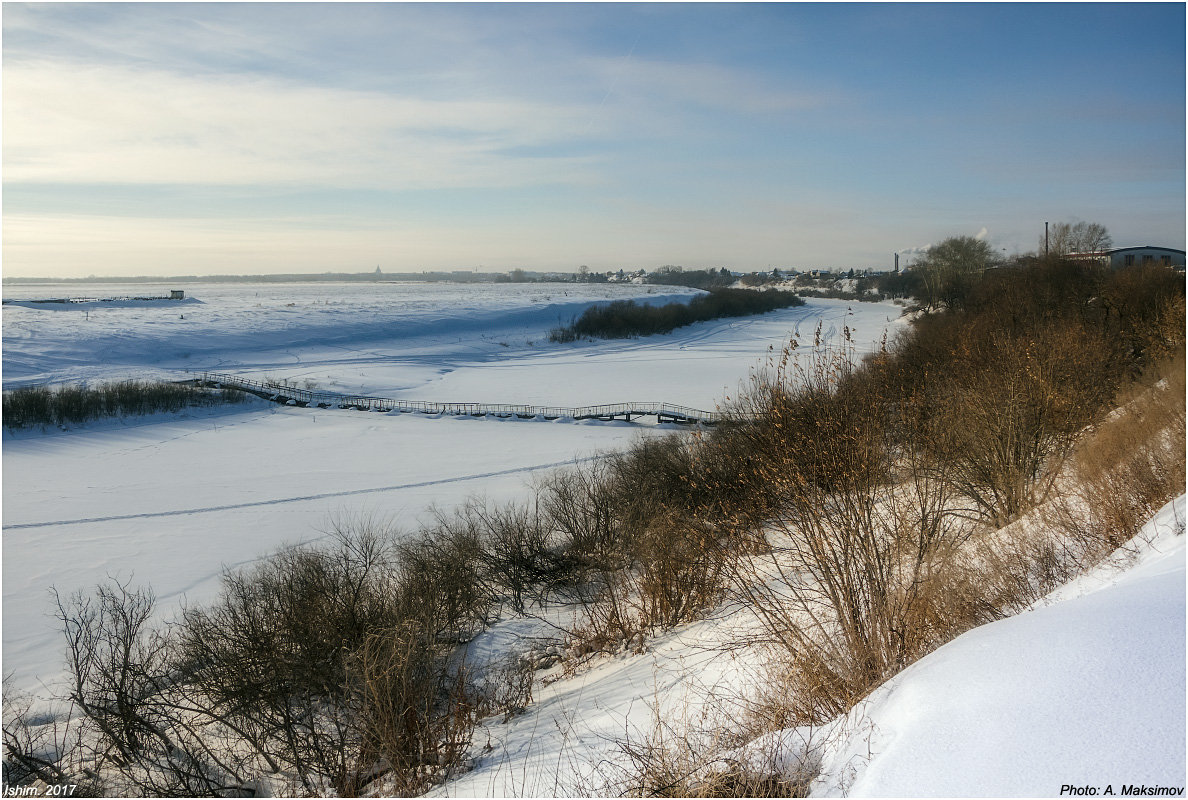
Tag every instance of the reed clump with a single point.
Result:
(622, 319)
(73, 404)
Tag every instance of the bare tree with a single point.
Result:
(36, 743)
(1076, 237)
(123, 680)
(947, 269)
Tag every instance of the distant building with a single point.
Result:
(1129, 256)
(1133, 256)
(177, 294)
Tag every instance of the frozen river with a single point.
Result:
(172, 500)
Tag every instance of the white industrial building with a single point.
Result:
(1134, 256)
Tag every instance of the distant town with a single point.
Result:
(668, 274)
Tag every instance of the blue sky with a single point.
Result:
(254, 138)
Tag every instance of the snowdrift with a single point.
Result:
(1085, 690)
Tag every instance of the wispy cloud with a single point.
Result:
(134, 124)
(119, 124)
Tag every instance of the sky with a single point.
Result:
(210, 138)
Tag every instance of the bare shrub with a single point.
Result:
(861, 529)
(441, 578)
(646, 540)
(582, 505)
(681, 569)
(519, 553)
(417, 713)
(331, 666)
(40, 746)
(1145, 312)
(513, 549)
(678, 531)
(1047, 288)
(131, 725)
(1007, 406)
(275, 653)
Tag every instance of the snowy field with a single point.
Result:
(172, 500)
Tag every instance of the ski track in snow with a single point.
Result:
(302, 498)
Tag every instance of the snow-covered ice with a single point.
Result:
(284, 327)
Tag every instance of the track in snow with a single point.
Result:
(281, 501)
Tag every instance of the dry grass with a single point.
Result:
(1128, 467)
(731, 748)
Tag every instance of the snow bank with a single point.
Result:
(1086, 690)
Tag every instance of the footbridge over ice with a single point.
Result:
(291, 395)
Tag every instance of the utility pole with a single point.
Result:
(1045, 240)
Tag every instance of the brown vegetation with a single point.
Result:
(999, 448)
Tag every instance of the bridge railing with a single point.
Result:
(605, 411)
